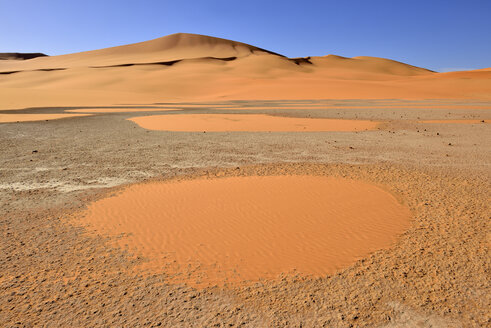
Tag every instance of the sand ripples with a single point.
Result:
(211, 231)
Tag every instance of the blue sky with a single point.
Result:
(440, 35)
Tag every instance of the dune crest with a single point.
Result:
(174, 47)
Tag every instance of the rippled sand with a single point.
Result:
(248, 228)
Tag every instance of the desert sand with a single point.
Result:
(456, 121)
(347, 193)
(184, 67)
(250, 122)
(121, 110)
(9, 118)
(241, 229)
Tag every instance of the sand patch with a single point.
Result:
(121, 110)
(455, 121)
(251, 122)
(11, 118)
(213, 231)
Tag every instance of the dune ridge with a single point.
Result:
(182, 46)
(174, 47)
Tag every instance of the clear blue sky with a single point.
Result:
(440, 35)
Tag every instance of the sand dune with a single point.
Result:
(165, 50)
(364, 64)
(189, 67)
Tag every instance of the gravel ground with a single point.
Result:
(56, 273)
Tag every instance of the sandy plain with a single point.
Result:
(57, 270)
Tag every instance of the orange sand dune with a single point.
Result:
(233, 229)
(163, 50)
(338, 65)
(189, 67)
(11, 118)
(248, 122)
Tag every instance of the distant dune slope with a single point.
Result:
(182, 67)
(369, 64)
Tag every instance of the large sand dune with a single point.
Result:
(163, 51)
(195, 67)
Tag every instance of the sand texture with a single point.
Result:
(456, 121)
(104, 223)
(121, 110)
(250, 122)
(9, 118)
(236, 229)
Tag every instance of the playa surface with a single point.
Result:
(105, 222)
(59, 269)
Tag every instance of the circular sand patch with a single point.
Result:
(248, 122)
(212, 231)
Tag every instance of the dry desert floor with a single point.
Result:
(105, 218)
